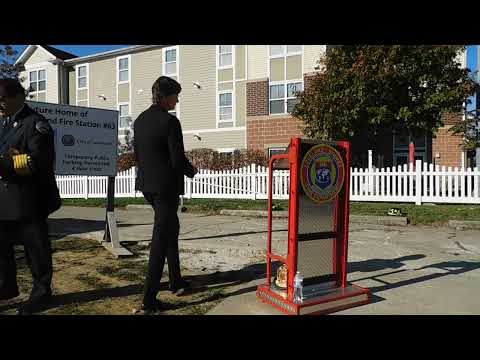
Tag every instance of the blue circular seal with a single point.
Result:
(322, 173)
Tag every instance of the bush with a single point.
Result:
(208, 159)
(125, 161)
(213, 160)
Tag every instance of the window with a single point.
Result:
(279, 103)
(37, 81)
(170, 62)
(285, 50)
(82, 77)
(277, 50)
(123, 69)
(276, 151)
(277, 99)
(294, 49)
(225, 107)
(225, 56)
(124, 116)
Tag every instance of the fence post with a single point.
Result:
(85, 187)
(370, 170)
(132, 181)
(254, 181)
(418, 182)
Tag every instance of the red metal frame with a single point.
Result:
(341, 227)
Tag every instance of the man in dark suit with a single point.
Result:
(28, 194)
(162, 164)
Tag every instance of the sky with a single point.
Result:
(79, 50)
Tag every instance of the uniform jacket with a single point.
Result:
(32, 192)
(159, 153)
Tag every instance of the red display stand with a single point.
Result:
(317, 231)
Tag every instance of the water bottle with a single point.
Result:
(298, 288)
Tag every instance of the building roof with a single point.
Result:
(63, 55)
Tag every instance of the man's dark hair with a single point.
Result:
(164, 86)
(12, 87)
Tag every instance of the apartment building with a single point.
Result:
(233, 96)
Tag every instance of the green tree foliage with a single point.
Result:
(364, 89)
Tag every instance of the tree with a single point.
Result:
(8, 69)
(364, 89)
(470, 130)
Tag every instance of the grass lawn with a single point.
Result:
(423, 214)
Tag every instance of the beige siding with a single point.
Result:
(294, 67)
(124, 93)
(225, 75)
(240, 103)
(52, 84)
(311, 54)
(197, 106)
(24, 79)
(82, 103)
(214, 140)
(277, 69)
(72, 93)
(223, 125)
(225, 86)
(257, 61)
(102, 81)
(38, 56)
(82, 95)
(42, 97)
(146, 68)
(240, 62)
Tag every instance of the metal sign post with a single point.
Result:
(313, 277)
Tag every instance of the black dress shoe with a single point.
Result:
(33, 306)
(180, 288)
(9, 295)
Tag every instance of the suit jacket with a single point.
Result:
(159, 153)
(33, 194)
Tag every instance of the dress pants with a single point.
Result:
(33, 235)
(164, 244)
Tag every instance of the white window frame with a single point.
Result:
(176, 74)
(284, 82)
(164, 61)
(285, 94)
(232, 120)
(220, 67)
(46, 82)
(87, 76)
(284, 52)
(129, 69)
(129, 114)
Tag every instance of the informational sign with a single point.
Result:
(86, 139)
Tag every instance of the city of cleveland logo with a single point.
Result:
(322, 173)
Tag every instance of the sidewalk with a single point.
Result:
(410, 269)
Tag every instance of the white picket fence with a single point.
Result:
(419, 184)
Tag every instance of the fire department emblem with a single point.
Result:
(322, 173)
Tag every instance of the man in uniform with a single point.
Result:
(162, 164)
(28, 194)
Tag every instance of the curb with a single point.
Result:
(362, 219)
(464, 224)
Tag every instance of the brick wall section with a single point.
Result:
(448, 146)
(257, 97)
(265, 130)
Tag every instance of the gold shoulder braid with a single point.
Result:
(21, 162)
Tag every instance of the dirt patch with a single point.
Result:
(89, 280)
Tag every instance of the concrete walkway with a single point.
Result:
(410, 269)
